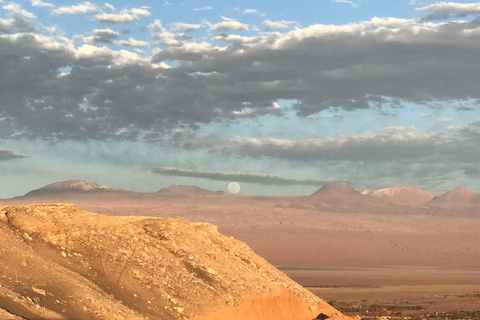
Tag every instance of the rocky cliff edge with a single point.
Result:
(59, 262)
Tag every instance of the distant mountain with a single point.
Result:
(185, 191)
(337, 197)
(403, 194)
(70, 186)
(338, 191)
(455, 197)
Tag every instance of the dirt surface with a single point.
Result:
(397, 293)
(59, 262)
(406, 302)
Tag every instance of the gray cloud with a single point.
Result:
(98, 36)
(106, 94)
(18, 22)
(6, 155)
(266, 179)
(403, 144)
(471, 171)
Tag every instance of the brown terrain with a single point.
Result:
(401, 239)
(334, 227)
(60, 262)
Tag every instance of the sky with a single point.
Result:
(282, 97)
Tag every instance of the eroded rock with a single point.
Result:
(76, 264)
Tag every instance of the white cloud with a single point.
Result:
(229, 25)
(124, 16)
(83, 8)
(250, 11)
(353, 4)
(202, 8)
(132, 43)
(452, 7)
(186, 27)
(16, 8)
(445, 119)
(276, 25)
(110, 6)
(171, 39)
(155, 26)
(40, 3)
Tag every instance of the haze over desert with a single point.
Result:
(240, 160)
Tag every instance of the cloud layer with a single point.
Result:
(6, 155)
(265, 179)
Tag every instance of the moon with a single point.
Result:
(233, 187)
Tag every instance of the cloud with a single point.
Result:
(155, 26)
(17, 9)
(40, 3)
(6, 155)
(471, 170)
(18, 22)
(124, 16)
(346, 2)
(98, 36)
(171, 39)
(110, 6)
(260, 178)
(51, 89)
(276, 25)
(404, 144)
(202, 8)
(447, 10)
(445, 119)
(83, 8)
(186, 27)
(229, 24)
(132, 43)
(232, 38)
(452, 7)
(250, 11)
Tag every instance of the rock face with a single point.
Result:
(59, 262)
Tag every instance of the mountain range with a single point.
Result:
(337, 195)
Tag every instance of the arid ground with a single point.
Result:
(405, 253)
(397, 292)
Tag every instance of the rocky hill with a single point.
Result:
(59, 262)
(68, 186)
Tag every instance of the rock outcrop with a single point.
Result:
(59, 262)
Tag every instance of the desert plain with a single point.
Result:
(397, 253)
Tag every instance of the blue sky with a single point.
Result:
(282, 97)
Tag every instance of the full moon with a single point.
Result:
(233, 187)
